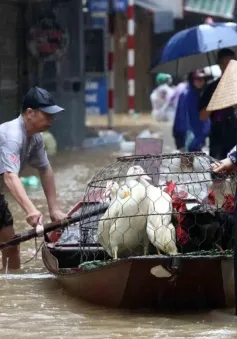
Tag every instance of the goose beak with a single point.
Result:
(126, 194)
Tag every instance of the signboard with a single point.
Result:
(96, 96)
(98, 5)
(98, 21)
(47, 40)
(120, 5)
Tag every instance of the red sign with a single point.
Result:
(47, 40)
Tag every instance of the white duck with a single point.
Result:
(128, 232)
(115, 195)
(110, 191)
(160, 230)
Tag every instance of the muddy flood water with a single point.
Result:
(33, 304)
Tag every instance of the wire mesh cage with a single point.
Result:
(171, 204)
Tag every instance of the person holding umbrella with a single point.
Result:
(197, 47)
(194, 48)
(189, 131)
(221, 120)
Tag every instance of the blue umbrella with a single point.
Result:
(195, 48)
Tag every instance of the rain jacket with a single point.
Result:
(187, 121)
(162, 110)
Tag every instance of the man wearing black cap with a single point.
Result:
(21, 142)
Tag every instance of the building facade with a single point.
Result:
(9, 65)
(42, 44)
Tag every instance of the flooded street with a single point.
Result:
(33, 304)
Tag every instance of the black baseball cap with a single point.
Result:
(39, 98)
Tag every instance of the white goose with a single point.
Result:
(110, 191)
(160, 230)
(115, 195)
(128, 232)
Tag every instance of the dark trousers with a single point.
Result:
(179, 140)
(6, 218)
(223, 137)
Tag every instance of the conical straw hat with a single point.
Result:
(225, 94)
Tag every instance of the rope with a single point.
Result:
(36, 252)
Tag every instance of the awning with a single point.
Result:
(219, 8)
(149, 5)
(174, 6)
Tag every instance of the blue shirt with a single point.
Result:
(187, 114)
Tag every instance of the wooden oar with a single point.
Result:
(30, 234)
(75, 208)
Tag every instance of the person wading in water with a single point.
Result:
(21, 142)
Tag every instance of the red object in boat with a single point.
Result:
(91, 198)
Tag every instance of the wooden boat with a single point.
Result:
(86, 271)
(203, 283)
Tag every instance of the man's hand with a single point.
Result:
(34, 218)
(40, 227)
(225, 166)
(48, 183)
(57, 215)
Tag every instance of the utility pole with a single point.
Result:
(110, 25)
(131, 56)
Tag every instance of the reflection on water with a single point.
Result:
(33, 304)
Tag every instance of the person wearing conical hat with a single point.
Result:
(222, 119)
(225, 96)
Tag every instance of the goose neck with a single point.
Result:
(144, 182)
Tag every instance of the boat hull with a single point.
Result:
(201, 283)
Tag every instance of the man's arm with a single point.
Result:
(227, 165)
(39, 160)
(48, 183)
(204, 114)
